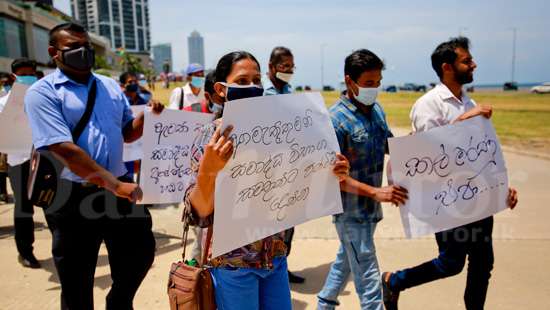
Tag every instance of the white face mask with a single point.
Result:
(285, 77)
(366, 95)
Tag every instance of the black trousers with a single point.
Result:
(22, 215)
(89, 217)
(473, 241)
(3, 183)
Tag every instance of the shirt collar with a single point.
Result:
(446, 94)
(187, 89)
(269, 85)
(347, 103)
(61, 78)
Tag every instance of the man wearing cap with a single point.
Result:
(188, 95)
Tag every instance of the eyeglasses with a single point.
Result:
(285, 67)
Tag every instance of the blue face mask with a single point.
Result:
(235, 91)
(26, 79)
(197, 81)
(7, 88)
(215, 108)
(143, 83)
(145, 96)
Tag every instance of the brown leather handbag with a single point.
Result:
(190, 287)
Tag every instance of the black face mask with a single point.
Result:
(234, 93)
(132, 88)
(80, 59)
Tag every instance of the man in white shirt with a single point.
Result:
(23, 71)
(190, 94)
(5, 86)
(446, 104)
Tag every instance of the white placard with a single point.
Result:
(15, 130)
(134, 151)
(455, 175)
(167, 140)
(280, 174)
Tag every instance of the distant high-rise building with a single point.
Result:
(47, 2)
(124, 22)
(162, 53)
(195, 44)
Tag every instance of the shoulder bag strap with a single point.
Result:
(207, 245)
(79, 128)
(185, 220)
(206, 249)
(182, 98)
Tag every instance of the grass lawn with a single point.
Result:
(521, 119)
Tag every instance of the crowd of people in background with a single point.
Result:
(255, 276)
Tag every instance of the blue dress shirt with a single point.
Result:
(56, 103)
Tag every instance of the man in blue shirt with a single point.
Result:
(281, 70)
(100, 206)
(362, 132)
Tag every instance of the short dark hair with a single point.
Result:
(22, 63)
(445, 53)
(361, 61)
(125, 76)
(71, 26)
(225, 64)
(278, 53)
(209, 82)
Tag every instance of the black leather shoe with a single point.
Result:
(29, 261)
(390, 297)
(292, 278)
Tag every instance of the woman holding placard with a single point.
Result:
(254, 276)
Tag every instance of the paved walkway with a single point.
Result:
(521, 278)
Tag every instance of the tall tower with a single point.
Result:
(162, 53)
(124, 22)
(195, 45)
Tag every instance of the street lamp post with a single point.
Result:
(514, 31)
(322, 47)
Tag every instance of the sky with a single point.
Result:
(403, 33)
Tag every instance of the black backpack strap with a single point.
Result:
(182, 97)
(79, 128)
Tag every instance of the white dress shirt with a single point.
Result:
(13, 159)
(188, 100)
(438, 107)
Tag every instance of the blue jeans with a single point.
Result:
(252, 288)
(357, 256)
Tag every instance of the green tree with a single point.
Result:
(101, 63)
(130, 63)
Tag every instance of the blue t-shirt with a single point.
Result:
(56, 103)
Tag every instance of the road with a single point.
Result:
(521, 277)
